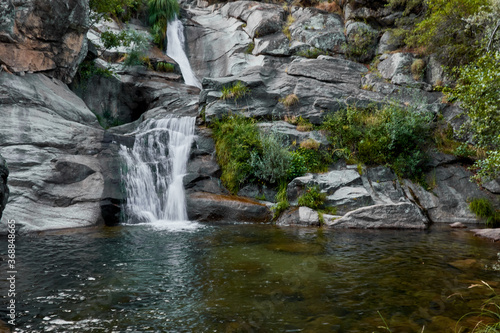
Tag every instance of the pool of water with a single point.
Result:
(249, 278)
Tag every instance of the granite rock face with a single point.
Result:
(60, 160)
(44, 36)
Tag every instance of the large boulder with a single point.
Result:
(58, 155)
(316, 28)
(4, 189)
(44, 36)
(209, 207)
(403, 215)
(447, 200)
(299, 216)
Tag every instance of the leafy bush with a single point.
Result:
(236, 91)
(273, 163)
(484, 209)
(315, 160)
(298, 165)
(86, 71)
(312, 198)
(478, 90)
(446, 32)
(394, 135)
(235, 139)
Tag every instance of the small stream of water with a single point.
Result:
(175, 50)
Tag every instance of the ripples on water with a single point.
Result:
(248, 278)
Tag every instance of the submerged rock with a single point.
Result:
(492, 234)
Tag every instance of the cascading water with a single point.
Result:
(175, 50)
(155, 168)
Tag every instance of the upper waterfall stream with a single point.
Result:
(175, 50)
(155, 168)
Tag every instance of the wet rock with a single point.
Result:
(394, 216)
(207, 207)
(465, 264)
(458, 225)
(41, 36)
(491, 234)
(301, 216)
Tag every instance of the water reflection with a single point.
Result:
(256, 278)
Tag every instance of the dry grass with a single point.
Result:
(310, 144)
(286, 29)
(417, 69)
(331, 7)
(289, 100)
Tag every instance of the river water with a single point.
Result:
(248, 278)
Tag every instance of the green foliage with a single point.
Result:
(311, 53)
(250, 48)
(298, 165)
(312, 198)
(100, 9)
(315, 160)
(271, 164)
(165, 67)
(446, 32)
(478, 90)
(235, 139)
(393, 135)
(86, 71)
(407, 6)
(281, 200)
(235, 91)
(484, 209)
(160, 13)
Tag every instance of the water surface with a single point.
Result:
(249, 278)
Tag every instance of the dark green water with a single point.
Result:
(248, 278)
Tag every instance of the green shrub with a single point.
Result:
(484, 209)
(360, 45)
(312, 198)
(281, 200)
(315, 160)
(86, 71)
(235, 139)
(298, 165)
(478, 89)
(393, 135)
(165, 67)
(235, 91)
(446, 32)
(311, 53)
(250, 48)
(160, 13)
(271, 164)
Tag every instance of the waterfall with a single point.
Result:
(155, 168)
(175, 50)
